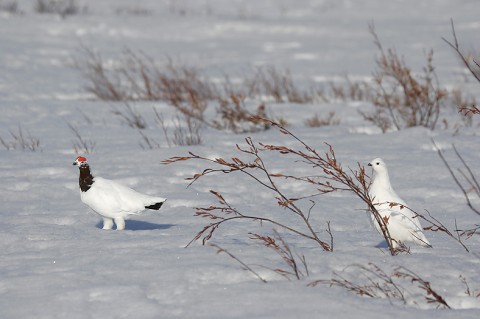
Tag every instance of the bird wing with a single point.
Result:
(395, 207)
(402, 221)
(116, 197)
(389, 204)
(130, 196)
(405, 217)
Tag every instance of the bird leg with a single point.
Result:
(107, 223)
(120, 222)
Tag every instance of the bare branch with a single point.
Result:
(372, 281)
(463, 190)
(335, 178)
(245, 266)
(431, 295)
(463, 57)
(81, 145)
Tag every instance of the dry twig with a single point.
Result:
(334, 178)
(401, 99)
(245, 266)
(281, 247)
(81, 145)
(21, 141)
(469, 177)
(372, 281)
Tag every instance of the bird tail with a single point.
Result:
(155, 206)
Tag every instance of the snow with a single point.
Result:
(56, 262)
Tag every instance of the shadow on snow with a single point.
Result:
(140, 225)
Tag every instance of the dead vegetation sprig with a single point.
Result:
(297, 264)
(104, 83)
(372, 281)
(469, 232)
(63, 8)
(131, 116)
(402, 99)
(10, 7)
(265, 179)
(258, 172)
(182, 131)
(20, 140)
(244, 265)
(437, 226)
(81, 145)
(335, 177)
(464, 177)
(279, 86)
(233, 114)
(328, 120)
(135, 76)
(430, 295)
(468, 291)
(185, 131)
(332, 177)
(468, 110)
(472, 184)
(468, 184)
(133, 10)
(348, 90)
(188, 133)
(472, 66)
(147, 142)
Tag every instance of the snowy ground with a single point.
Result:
(56, 262)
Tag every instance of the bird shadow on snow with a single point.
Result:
(140, 225)
(382, 244)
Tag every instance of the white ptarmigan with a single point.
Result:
(111, 200)
(400, 221)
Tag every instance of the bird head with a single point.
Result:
(378, 165)
(80, 161)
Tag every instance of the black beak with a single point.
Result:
(74, 163)
(369, 164)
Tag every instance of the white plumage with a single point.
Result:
(400, 221)
(111, 200)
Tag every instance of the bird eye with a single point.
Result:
(378, 163)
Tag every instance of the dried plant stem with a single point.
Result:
(245, 266)
(335, 178)
(21, 141)
(81, 145)
(281, 247)
(463, 57)
(430, 295)
(334, 173)
(471, 179)
(372, 281)
(133, 118)
(227, 208)
(402, 99)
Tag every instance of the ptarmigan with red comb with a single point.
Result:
(111, 200)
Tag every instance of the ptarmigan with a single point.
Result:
(400, 221)
(111, 200)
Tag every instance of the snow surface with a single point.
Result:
(55, 260)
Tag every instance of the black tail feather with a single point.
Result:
(155, 206)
